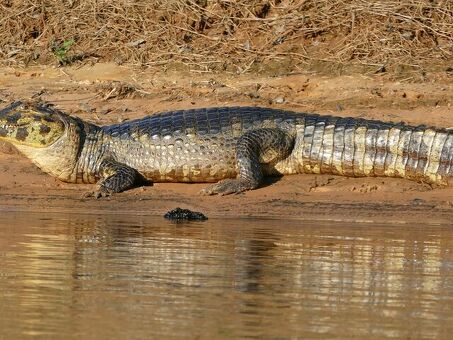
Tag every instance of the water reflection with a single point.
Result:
(136, 277)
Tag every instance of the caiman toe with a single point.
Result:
(100, 193)
(227, 187)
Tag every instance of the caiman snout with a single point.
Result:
(31, 125)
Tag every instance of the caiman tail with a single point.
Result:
(358, 148)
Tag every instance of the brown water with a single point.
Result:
(135, 277)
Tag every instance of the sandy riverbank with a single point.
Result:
(106, 93)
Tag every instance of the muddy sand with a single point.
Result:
(107, 93)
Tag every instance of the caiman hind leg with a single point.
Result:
(115, 177)
(253, 149)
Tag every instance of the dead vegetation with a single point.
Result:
(119, 90)
(231, 35)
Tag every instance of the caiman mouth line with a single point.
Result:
(13, 126)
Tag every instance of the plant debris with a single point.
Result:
(237, 36)
(185, 214)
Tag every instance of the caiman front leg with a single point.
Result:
(115, 177)
(253, 149)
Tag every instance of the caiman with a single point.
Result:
(232, 146)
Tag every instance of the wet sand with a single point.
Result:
(106, 93)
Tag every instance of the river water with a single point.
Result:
(140, 277)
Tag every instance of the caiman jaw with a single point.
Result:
(21, 124)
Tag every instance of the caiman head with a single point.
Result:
(33, 126)
(50, 138)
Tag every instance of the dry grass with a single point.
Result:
(215, 35)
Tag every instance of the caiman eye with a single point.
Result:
(21, 124)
